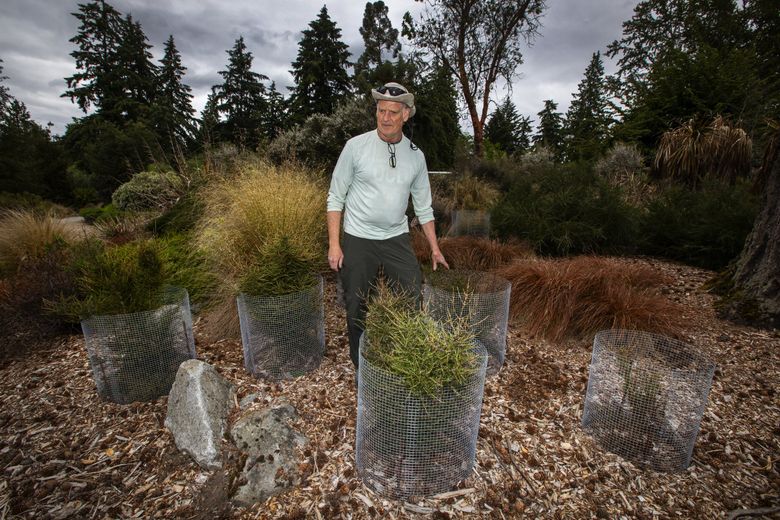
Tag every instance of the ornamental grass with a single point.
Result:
(428, 355)
(470, 253)
(555, 299)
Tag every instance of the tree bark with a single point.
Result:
(757, 275)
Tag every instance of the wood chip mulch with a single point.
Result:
(65, 453)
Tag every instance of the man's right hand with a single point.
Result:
(335, 257)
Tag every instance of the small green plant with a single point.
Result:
(113, 280)
(277, 271)
(409, 343)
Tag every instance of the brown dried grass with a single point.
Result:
(470, 253)
(576, 297)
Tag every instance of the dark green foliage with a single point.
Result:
(180, 218)
(549, 133)
(113, 280)
(319, 70)
(173, 112)
(435, 125)
(188, 267)
(507, 129)
(378, 36)
(240, 98)
(97, 213)
(706, 228)
(158, 187)
(278, 271)
(565, 210)
(588, 119)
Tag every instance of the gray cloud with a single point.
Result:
(34, 43)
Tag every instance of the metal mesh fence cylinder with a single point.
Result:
(470, 222)
(415, 445)
(134, 357)
(646, 396)
(283, 336)
(481, 297)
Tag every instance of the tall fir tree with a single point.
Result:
(173, 111)
(274, 118)
(97, 82)
(507, 129)
(319, 70)
(549, 132)
(435, 125)
(379, 39)
(138, 73)
(588, 119)
(240, 98)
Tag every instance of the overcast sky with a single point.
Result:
(35, 49)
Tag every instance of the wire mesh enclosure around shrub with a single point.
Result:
(415, 445)
(646, 396)
(134, 357)
(470, 222)
(481, 297)
(283, 336)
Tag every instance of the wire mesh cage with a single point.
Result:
(411, 444)
(470, 222)
(283, 336)
(646, 397)
(134, 357)
(482, 298)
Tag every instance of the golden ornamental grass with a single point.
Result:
(262, 205)
(27, 235)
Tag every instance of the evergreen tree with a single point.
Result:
(319, 70)
(509, 130)
(378, 36)
(29, 160)
(173, 107)
(138, 75)
(550, 130)
(436, 128)
(588, 119)
(241, 98)
(98, 80)
(274, 118)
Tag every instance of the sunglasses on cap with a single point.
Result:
(394, 91)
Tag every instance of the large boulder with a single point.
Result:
(198, 406)
(269, 442)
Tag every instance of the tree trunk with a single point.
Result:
(757, 275)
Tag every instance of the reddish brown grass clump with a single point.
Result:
(580, 296)
(470, 253)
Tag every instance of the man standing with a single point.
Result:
(373, 178)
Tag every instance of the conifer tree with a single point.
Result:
(436, 129)
(507, 129)
(379, 37)
(240, 98)
(588, 118)
(137, 72)
(549, 132)
(173, 106)
(320, 69)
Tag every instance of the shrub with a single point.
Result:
(30, 201)
(470, 253)
(97, 213)
(277, 271)
(182, 217)
(157, 188)
(318, 142)
(623, 167)
(565, 210)
(410, 344)
(262, 207)
(472, 193)
(27, 235)
(705, 228)
(188, 267)
(580, 296)
(113, 280)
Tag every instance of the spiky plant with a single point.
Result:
(409, 343)
(697, 150)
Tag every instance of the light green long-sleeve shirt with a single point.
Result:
(373, 195)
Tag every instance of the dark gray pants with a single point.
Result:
(362, 260)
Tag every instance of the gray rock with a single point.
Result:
(247, 400)
(198, 406)
(269, 442)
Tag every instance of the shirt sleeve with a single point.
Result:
(341, 180)
(421, 194)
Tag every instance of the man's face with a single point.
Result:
(390, 119)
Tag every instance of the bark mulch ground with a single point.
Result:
(65, 453)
